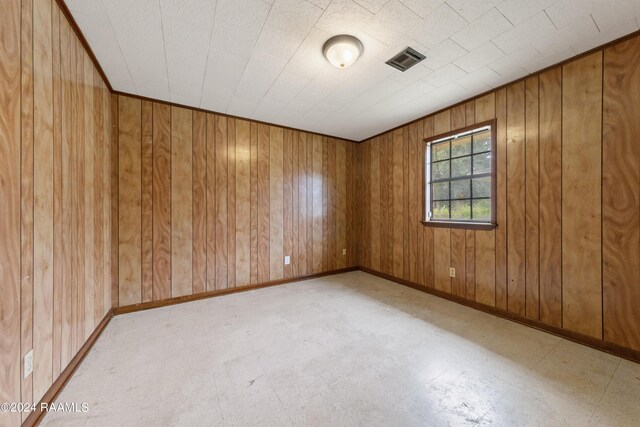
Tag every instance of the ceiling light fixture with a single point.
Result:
(342, 51)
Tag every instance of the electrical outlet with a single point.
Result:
(287, 260)
(28, 363)
(344, 252)
(452, 272)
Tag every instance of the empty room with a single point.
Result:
(319, 213)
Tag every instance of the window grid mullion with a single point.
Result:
(461, 178)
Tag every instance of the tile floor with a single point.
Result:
(350, 349)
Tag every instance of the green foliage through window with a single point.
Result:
(459, 180)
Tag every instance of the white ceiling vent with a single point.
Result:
(406, 59)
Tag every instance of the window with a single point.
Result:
(460, 184)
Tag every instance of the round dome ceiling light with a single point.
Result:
(342, 51)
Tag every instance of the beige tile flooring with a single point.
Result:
(350, 349)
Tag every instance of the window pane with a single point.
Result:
(482, 163)
(482, 209)
(440, 191)
(440, 210)
(461, 189)
(482, 141)
(461, 146)
(461, 167)
(482, 187)
(461, 209)
(440, 151)
(440, 170)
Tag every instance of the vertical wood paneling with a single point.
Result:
(263, 202)
(485, 268)
(458, 116)
(303, 216)
(254, 201)
(397, 209)
(287, 201)
(10, 284)
(221, 202)
(199, 163)
(310, 204)
(211, 202)
(458, 261)
(231, 202)
(80, 205)
(485, 241)
(276, 220)
(621, 194)
(108, 160)
(57, 199)
(295, 210)
(501, 199)
(331, 213)
(515, 176)
(406, 203)
(354, 174)
(43, 199)
(532, 198)
(442, 259)
(366, 225)
(115, 198)
(317, 192)
(26, 190)
(325, 201)
(414, 188)
(341, 203)
(243, 202)
(417, 161)
(74, 194)
(89, 211)
(69, 194)
(161, 201)
(550, 147)
(296, 204)
(581, 195)
(428, 246)
(386, 202)
(374, 195)
(470, 267)
(129, 211)
(181, 202)
(98, 201)
(147, 201)
(53, 198)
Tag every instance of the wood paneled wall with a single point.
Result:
(55, 268)
(566, 251)
(208, 202)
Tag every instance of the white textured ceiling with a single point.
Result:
(262, 59)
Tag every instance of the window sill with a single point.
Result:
(463, 225)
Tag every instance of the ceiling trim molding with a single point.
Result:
(602, 48)
(76, 29)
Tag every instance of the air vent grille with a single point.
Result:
(406, 59)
